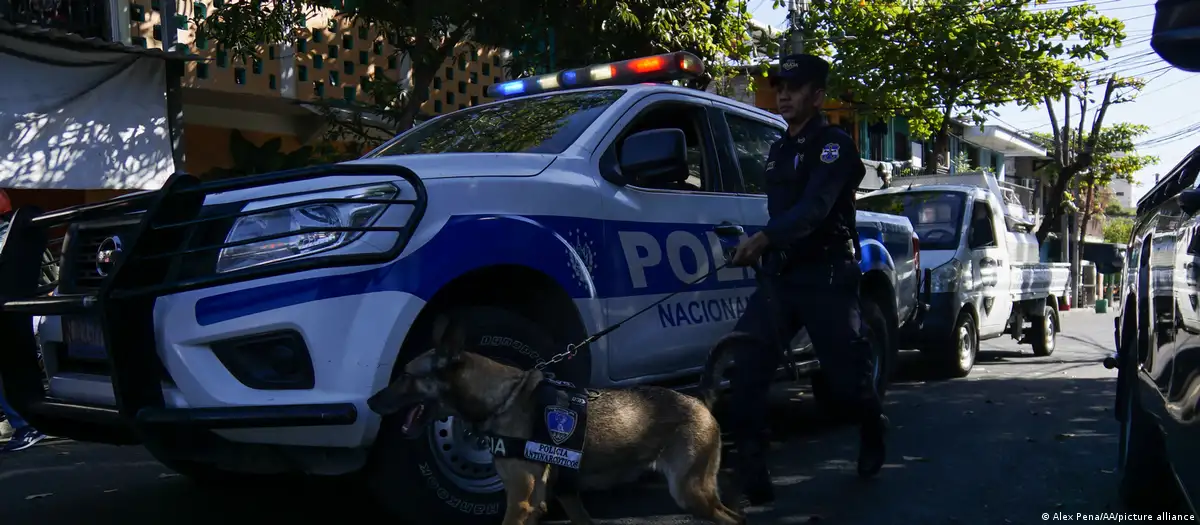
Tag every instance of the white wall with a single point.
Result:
(1123, 191)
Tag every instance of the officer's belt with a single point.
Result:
(804, 254)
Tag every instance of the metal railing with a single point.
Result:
(1024, 194)
(87, 18)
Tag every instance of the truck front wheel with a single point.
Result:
(956, 357)
(445, 476)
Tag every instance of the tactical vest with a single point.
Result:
(558, 434)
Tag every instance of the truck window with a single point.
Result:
(545, 124)
(936, 216)
(752, 143)
(983, 230)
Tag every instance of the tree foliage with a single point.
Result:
(425, 34)
(595, 31)
(1086, 146)
(933, 60)
(1118, 230)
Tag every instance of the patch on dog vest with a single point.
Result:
(558, 435)
(558, 439)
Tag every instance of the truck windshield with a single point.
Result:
(546, 124)
(936, 216)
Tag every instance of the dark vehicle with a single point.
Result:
(1158, 332)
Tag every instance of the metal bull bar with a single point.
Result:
(174, 250)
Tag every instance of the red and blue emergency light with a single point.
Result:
(657, 68)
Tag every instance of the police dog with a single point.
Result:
(628, 430)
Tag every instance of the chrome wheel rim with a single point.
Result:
(462, 457)
(966, 346)
(1050, 330)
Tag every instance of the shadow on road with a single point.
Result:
(971, 451)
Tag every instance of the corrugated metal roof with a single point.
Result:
(60, 37)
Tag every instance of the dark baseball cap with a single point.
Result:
(799, 70)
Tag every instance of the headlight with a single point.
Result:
(948, 277)
(267, 232)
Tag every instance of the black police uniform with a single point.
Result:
(812, 270)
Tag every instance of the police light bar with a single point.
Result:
(657, 68)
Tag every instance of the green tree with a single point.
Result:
(427, 33)
(1118, 229)
(1087, 161)
(1075, 147)
(934, 60)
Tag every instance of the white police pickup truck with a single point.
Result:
(237, 327)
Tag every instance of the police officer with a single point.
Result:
(808, 251)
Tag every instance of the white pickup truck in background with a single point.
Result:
(984, 276)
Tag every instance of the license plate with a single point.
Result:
(84, 337)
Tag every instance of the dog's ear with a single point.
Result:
(448, 336)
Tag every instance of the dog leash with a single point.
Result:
(574, 348)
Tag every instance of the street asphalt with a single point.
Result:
(1019, 438)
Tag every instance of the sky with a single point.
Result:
(1168, 103)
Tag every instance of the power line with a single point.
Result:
(1161, 88)
(1174, 136)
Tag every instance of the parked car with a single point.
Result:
(1157, 335)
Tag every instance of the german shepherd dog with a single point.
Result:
(629, 431)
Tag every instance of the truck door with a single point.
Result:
(662, 238)
(989, 268)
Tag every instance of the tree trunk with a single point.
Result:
(941, 142)
(1054, 202)
(1076, 263)
(1085, 216)
(422, 77)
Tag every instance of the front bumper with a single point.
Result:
(151, 265)
(936, 323)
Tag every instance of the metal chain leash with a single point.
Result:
(574, 348)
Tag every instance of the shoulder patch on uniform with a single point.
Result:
(830, 152)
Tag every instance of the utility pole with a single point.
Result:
(798, 10)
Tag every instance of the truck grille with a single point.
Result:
(79, 273)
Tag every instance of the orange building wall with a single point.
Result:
(332, 57)
(463, 80)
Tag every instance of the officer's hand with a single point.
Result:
(750, 249)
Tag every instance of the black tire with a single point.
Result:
(1044, 332)
(414, 483)
(1146, 482)
(884, 354)
(956, 357)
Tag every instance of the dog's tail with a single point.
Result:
(717, 368)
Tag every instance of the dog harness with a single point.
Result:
(558, 436)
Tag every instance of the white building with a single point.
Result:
(1123, 192)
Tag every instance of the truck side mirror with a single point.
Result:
(655, 157)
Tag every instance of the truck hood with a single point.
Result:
(931, 259)
(445, 165)
(427, 167)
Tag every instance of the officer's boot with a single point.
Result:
(872, 449)
(752, 473)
